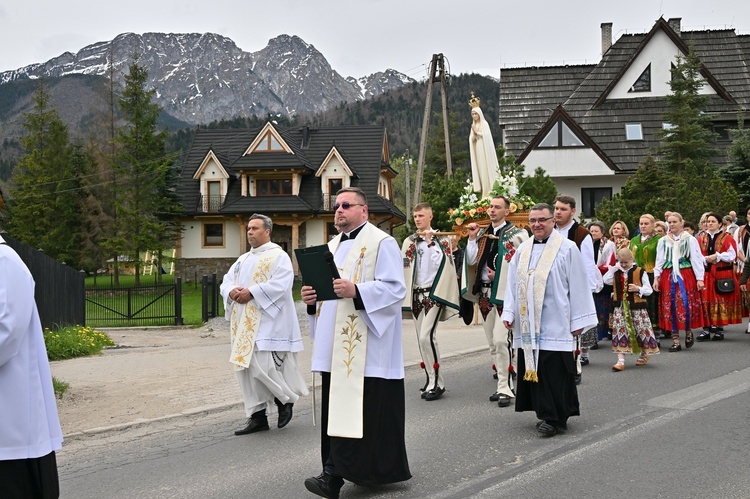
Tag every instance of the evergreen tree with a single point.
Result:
(737, 172)
(541, 188)
(146, 199)
(44, 211)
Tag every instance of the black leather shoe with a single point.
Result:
(423, 394)
(546, 429)
(585, 362)
(285, 414)
(705, 335)
(503, 401)
(577, 378)
(718, 337)
(689, 339)
(325, 485)
(558, 425)
(253, 425)
(595, 347)
(435, 393)
(675, 348)
(495, 397)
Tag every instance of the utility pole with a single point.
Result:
(408, 190)
(437, 75)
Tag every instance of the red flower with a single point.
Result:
(421, 364)
(494, 368)
(480, 209)
(510, 368)
(436, 366)
(578, 352)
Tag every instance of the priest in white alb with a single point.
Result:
(548, 303)
(265, 334)
(357, 349)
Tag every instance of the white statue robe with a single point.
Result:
(382, 298)
(567, 306)
(28, 410)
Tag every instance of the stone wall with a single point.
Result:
(191, 269)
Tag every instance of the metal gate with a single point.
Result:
(155, 305)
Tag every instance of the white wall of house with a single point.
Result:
(192, 240)
(334, 169)
(315, 232)
(566, 162)
(212, 172)
(573, 186)
(661, 53)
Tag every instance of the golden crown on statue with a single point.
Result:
(474, 101)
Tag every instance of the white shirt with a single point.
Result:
(472, 251)
(644, 290)
(428, 260)
(279, 328)
(29, 425)
(587, 251)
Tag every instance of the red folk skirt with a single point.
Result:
(721, 309)
(680, 303)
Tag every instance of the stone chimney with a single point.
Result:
(674, 23)
(606, 37)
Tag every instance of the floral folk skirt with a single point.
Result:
(644, 333)
(680, 303)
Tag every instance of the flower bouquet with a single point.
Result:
(471, 208)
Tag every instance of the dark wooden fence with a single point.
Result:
(209, 297)
(59, 291)
(155, 305)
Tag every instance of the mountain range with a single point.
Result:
(200, 78)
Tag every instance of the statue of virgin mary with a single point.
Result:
(484, 165)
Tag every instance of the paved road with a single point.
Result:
(674, 428)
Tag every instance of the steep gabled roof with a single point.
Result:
(528, 97)
(361, 147)
(725, 57)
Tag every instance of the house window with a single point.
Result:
(213, 234)
(560, 135)
(643, 83)
(269, 144)
(633, 131)
(273, 187)
(331, 231)
(722, 131)
(591, 197)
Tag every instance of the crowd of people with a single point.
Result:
(594, 283)
(673, 279)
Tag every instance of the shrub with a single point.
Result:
(75, 341)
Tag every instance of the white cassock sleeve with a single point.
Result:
(384, 296)
(270, 294)
(15, 308)
(594, 275)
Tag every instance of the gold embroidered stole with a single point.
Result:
(346, 396)
(245, 319)
(529, 337)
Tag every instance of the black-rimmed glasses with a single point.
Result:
(345, 205)
(533, 221)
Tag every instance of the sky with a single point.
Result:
(360, 37)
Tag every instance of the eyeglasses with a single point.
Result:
(345, 205)
(533, 221)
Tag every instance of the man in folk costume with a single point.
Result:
(483, 278)
(431, 277)
(547, 304)
(265, 334)
(565, 209)
(357, 349)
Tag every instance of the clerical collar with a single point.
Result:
(543, 241)
(351, 235)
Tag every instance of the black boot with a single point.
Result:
(285, 412)
(325, 485)
(257, 422)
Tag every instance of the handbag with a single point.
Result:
(724, 286)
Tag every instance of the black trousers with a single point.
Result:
(380, 456)
(29, 478)
(554, 397)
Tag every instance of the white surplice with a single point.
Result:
(567, 306)
(383, 298)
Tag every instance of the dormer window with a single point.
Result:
(269, 144)
(643, 83)
(273, 187)
(560, 135)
